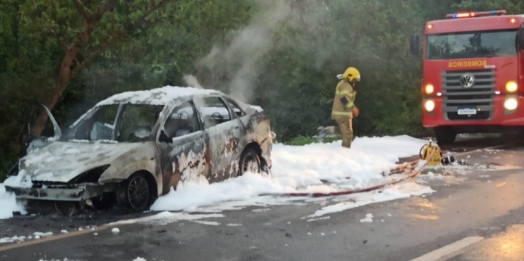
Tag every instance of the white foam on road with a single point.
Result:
(399, 191)
(167, 217)
(17, 239)
(209, 223)
(8, 204)
(367, 219)
(314, 168)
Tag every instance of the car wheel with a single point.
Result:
(249, 162)
(138, 192)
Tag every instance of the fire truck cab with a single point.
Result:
(473, 73)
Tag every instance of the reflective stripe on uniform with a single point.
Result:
(345, 93)
(344, 90)
(341, 113)
(338, 88)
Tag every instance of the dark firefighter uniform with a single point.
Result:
(344, 104)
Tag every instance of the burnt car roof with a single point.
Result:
(163, 96)
(157, 96)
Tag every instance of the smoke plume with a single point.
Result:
(238, 64)
(192, 81)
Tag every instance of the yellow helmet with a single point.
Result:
(352, 74)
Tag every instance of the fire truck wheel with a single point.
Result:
(445, 135)
(510, 135)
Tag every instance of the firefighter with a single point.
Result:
(344, 104)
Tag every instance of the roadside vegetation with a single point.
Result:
(281, 55)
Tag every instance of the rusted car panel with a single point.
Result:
(144, 157)
(147, 141)
(60, 162)
(185, 158)
(263, 137)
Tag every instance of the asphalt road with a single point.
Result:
(485, 208)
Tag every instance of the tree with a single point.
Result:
(282, 55)
(100, 32)
(511, 6)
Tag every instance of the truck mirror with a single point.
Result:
(520, 38)
(414, 45)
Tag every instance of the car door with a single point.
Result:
(182, 148)
(243, 120)
(223, 130)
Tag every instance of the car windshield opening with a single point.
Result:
(472, 45)
(134, 123)
(214, 111)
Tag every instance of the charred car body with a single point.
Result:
(136, 146)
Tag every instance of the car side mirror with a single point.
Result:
(163, 138)
(520, 38)
(414, 45)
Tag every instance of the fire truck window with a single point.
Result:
(472, 45)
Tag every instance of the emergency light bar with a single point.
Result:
(475, 14)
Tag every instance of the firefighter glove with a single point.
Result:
(355, 111)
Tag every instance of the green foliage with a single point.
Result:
(281, 55)
(511, 6)
(338, 34)
(301, 140)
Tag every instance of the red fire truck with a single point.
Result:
(473, 73)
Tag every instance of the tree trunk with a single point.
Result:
(60, 84)
(68, 69)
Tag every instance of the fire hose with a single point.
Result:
(399, 169)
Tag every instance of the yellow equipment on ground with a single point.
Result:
(425, 154)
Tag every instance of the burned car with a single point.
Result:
(136, 146)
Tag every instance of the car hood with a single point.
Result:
(63, 161)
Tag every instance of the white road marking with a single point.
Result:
(446, 251)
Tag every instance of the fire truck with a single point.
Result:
(473, 73)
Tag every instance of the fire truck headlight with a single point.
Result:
(511, 86)
(429, 105)
(511, 104)
(429, 89)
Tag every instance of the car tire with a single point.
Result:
(138, 192)
(249, 161)
(509, 136)
(445, 135)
